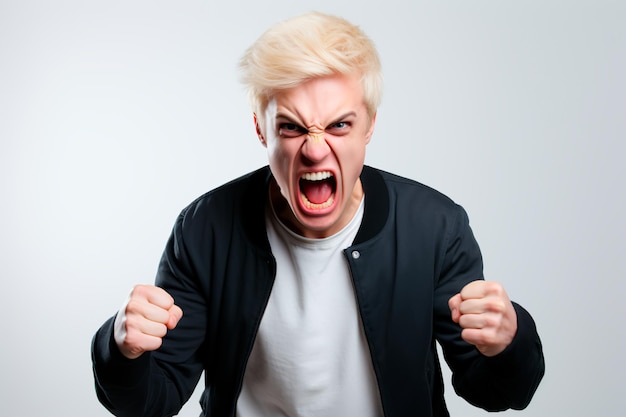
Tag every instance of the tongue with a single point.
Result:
(317, 192)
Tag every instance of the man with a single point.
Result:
(317, 286)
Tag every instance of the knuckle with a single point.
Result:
(492, 321)
(131, 322)
(138, 343)
(133, 306)
(490, 339)
(160, 330)
(494, 288)
(141, 291)
(132, 340)
(496, 305)
(137, 290)
(471, 336)
(465, 322)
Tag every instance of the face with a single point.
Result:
(315, 135)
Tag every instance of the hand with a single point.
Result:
(144, 319)
(487, 316)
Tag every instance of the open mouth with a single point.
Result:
(317, 189)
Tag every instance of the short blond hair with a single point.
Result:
(310, 46)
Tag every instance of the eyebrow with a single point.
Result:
(289, 118)
(344, 116)
(284, 116)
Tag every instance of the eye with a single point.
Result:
(339, 128)
(290, 130)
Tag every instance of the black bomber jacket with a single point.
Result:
(413, 251)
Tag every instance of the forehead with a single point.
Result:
(319, 99)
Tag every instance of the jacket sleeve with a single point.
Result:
(157, 383)
(508, 380)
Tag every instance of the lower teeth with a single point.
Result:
(315, 206)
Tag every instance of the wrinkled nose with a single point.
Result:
(315, 148)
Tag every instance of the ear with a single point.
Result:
(370, 131)
(258, 131)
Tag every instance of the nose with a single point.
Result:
(315, 148)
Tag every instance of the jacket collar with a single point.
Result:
(376, 204)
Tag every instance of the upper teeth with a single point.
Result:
(316, 176)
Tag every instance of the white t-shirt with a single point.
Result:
(310, 357)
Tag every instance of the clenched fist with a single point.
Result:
(486, 315)
(144, 319)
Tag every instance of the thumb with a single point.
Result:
(176, 313)
(454, 304)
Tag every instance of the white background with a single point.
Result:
(115, 115)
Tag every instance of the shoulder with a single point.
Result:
(397, 204)
(232, 196)
(226, 211)
(406, 191)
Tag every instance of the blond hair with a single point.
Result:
(310, 46)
